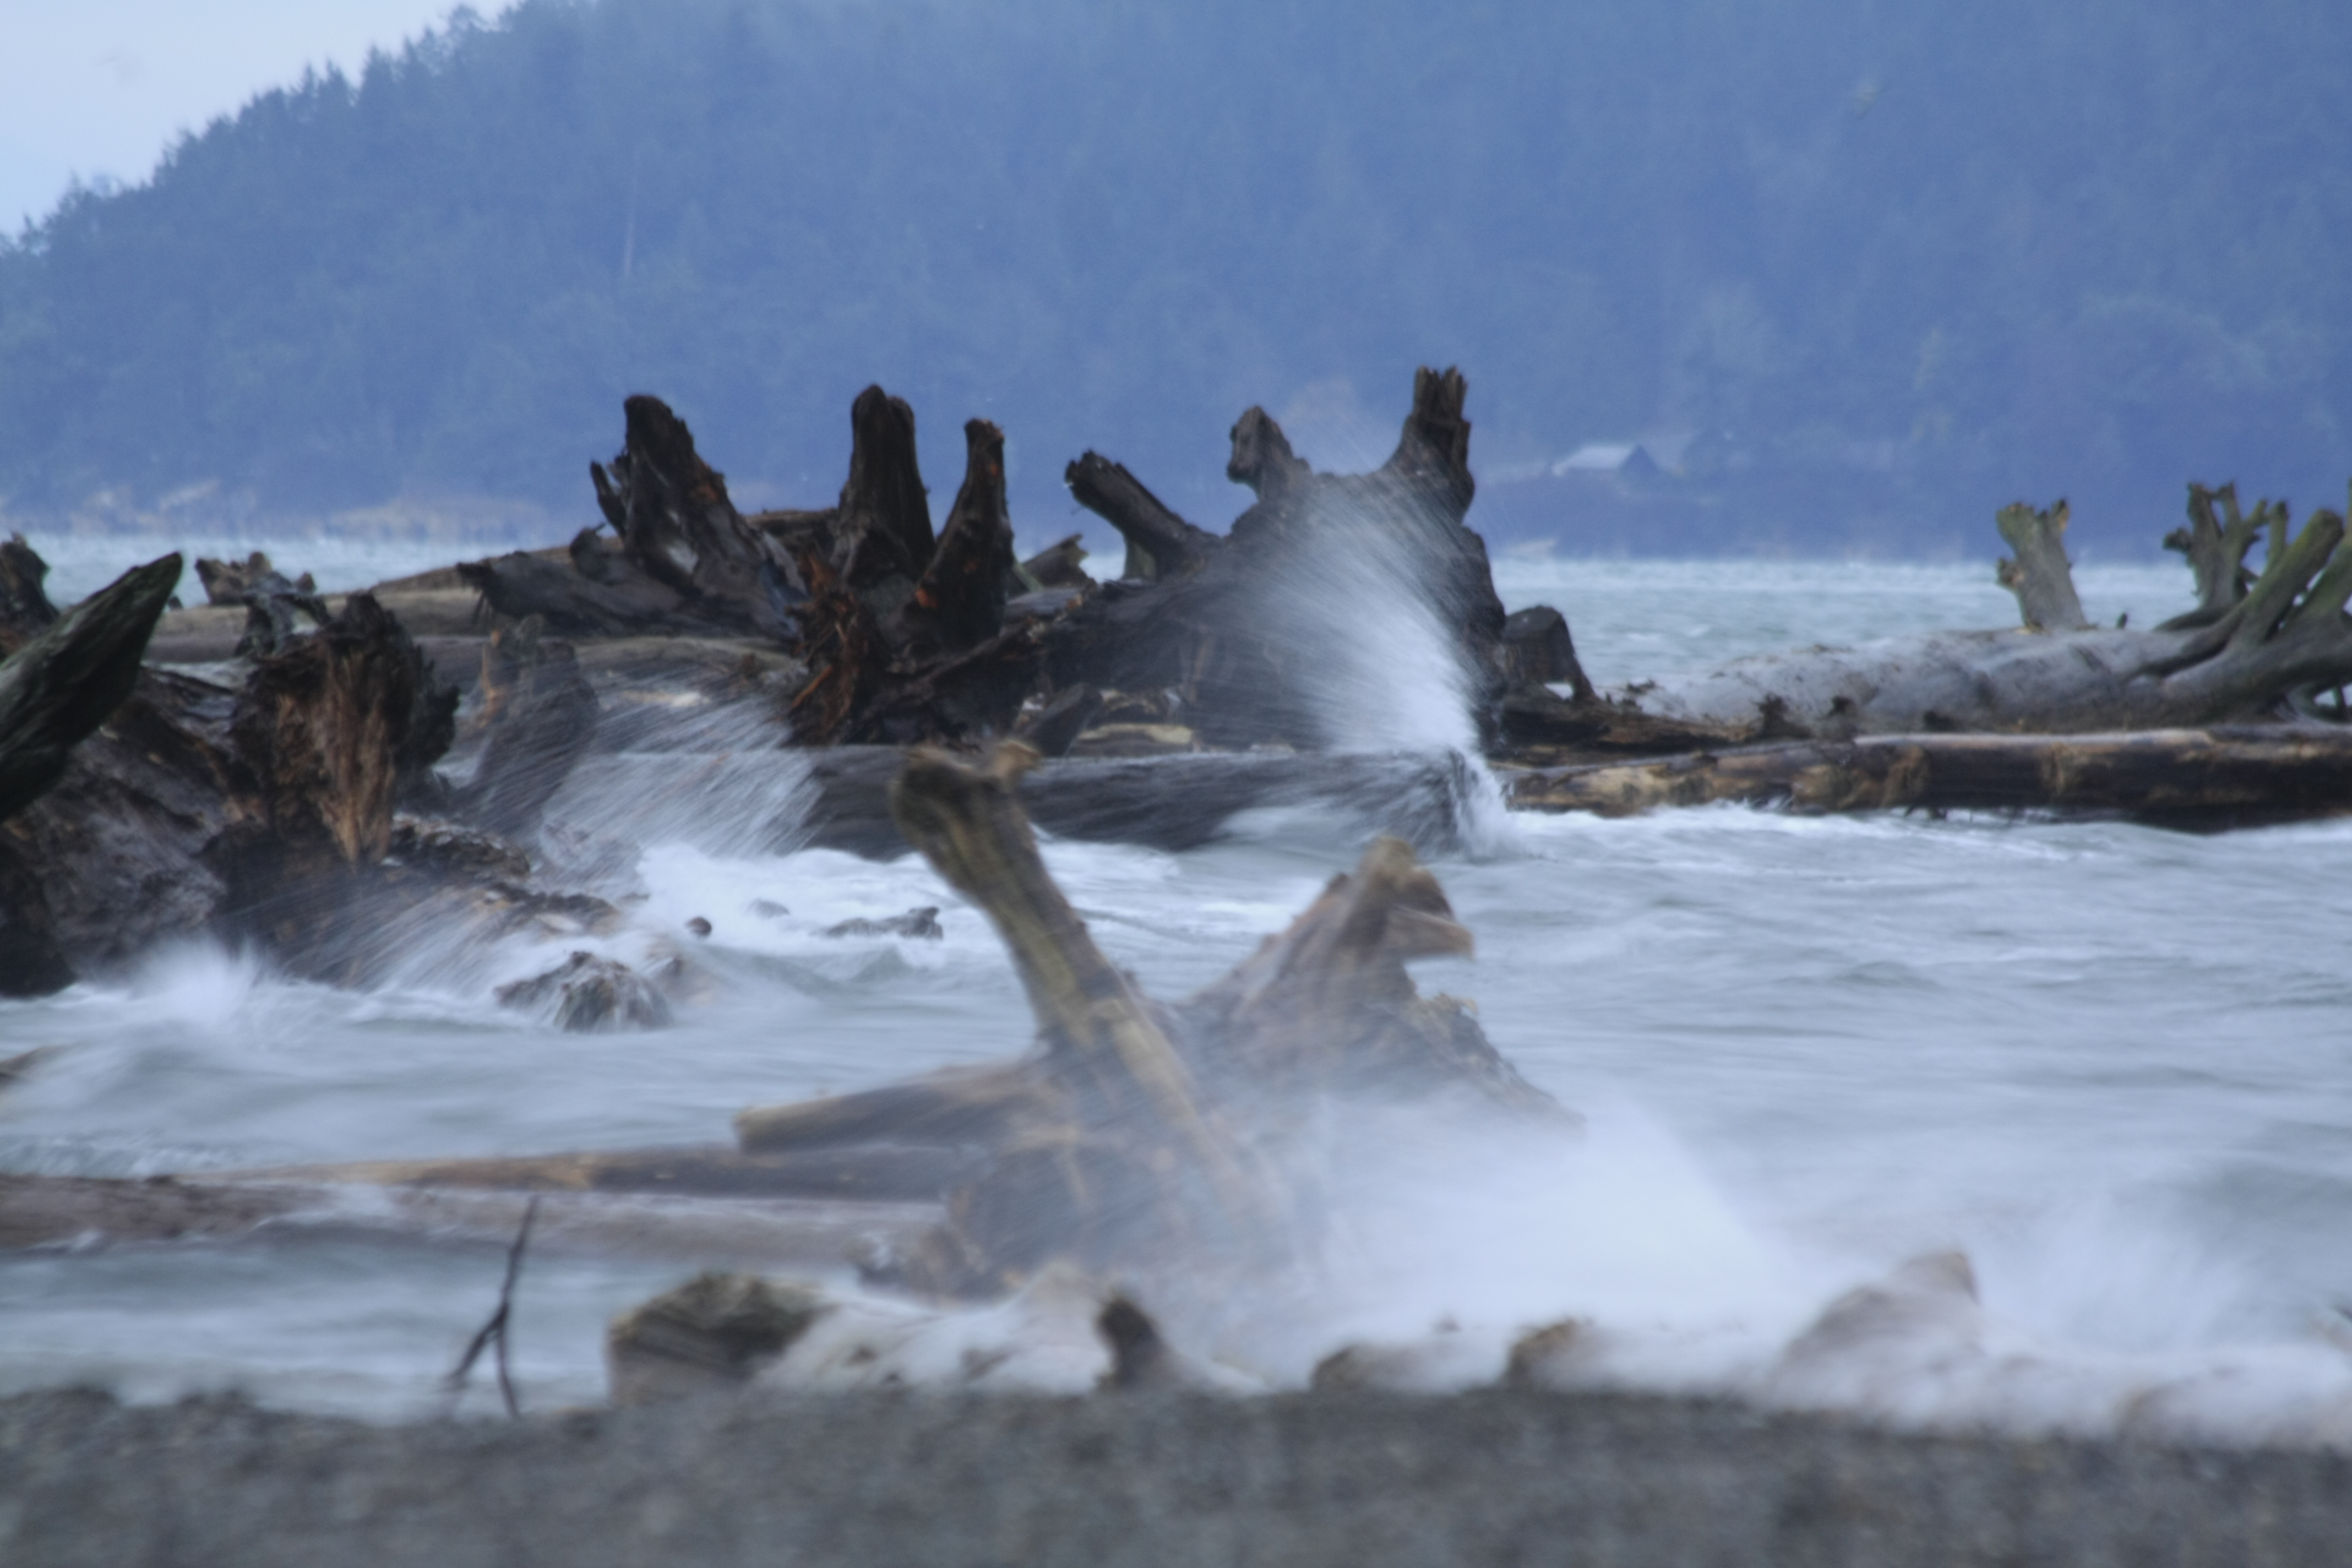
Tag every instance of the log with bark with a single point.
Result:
(2256, 644)
(2207, 779)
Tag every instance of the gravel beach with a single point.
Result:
(1166, 1479)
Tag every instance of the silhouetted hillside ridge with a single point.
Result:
(1868, 270)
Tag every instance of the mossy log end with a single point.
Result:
(2208, 778)
(67, 679)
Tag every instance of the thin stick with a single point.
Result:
(495, 1331)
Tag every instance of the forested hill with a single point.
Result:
(1863, 270)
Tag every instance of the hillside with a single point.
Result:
(1862, 272)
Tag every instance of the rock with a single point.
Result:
(915, 925)
(588, 995)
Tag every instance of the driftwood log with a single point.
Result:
(2201, 779)
(2252, 646)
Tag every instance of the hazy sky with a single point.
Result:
(101, 87)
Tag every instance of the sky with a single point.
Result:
(100, 88)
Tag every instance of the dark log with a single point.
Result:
(25, 607)
(682, 559)
(1159, 543)
(606, 597)
(1538, 651)
(882, 528)
(2204, 779)
(676, 526)
(894, 658)
(2041, 575)
(959, 602)
(1171, 802)
(65, 681)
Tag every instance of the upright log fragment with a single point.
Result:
(882, 528)
(959, 602)
(901, 646)
(2041, 575)
(681, 559)
(2216, 549)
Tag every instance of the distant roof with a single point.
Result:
(1606, 457)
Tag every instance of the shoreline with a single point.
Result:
(1350, 1478)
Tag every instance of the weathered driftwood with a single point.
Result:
(67, 679)
(786, 1224)
(2216, 548)
(1219, 622)
(2210, 778)
(2288, 633)
(1138, 1132)
(2041, 575)
(1159, 543)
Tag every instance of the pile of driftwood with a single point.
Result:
(311, 772)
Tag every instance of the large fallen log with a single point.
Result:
(2210, 778)
(2252, 646)
(1171, 802)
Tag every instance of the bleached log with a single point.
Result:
(2288, 633)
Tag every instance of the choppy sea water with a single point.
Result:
(2109, 1062)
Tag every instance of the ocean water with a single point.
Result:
(2109, 1063)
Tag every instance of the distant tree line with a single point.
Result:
(1895, 265)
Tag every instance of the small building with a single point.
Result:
(1622, 459)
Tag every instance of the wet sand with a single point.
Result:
(1161, 1479)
